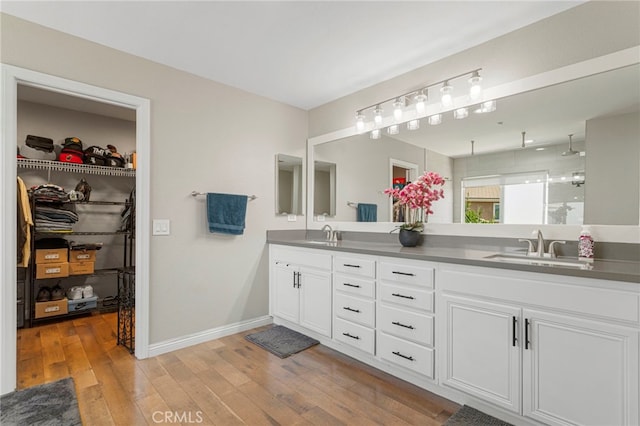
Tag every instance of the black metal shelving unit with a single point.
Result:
(128, 235)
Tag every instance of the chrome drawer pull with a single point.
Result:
(403, 296)
(410, 358)
(409, 274)
(351, 285)
(410, 327)
(348, 265)
(349, 335)
(346, 308)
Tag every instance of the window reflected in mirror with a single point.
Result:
(289, 185)
(324, 191)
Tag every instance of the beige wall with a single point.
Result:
(583, 32)
(205, 136)
(612, 170)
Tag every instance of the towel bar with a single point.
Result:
(196, 193)
(352, 204)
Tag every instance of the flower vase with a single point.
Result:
(409, 238)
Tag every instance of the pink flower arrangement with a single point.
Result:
(418, 197)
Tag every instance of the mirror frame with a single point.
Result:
(617, 233)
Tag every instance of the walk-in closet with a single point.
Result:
(76, 177)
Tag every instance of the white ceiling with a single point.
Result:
(303, 53)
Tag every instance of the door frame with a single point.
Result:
(11, 77)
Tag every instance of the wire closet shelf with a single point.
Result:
(59, 166)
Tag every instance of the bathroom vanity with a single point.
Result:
(530, 343)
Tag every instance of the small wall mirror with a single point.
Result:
(324, 190)
(289, 185)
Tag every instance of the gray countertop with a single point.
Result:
(464, 254)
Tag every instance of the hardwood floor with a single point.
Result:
(228, 381)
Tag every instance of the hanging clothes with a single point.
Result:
(25, 222)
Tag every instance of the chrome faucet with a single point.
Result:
(330, 234)
(539, 248)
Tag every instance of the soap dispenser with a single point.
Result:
(585, 245)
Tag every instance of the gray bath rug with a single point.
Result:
(51, 404)
(467, 416)
(281, 341)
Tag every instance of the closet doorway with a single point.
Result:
(36, 95)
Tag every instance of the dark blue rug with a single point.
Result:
(50, 404)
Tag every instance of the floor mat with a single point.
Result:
(281, 341)
(48, 404)
(467, 416)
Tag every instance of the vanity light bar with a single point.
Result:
(418, 100)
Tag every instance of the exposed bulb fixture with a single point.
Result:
(397, 109)
(414, 105)
(446, 94)
(377, 115)
(475, 87)
(394, 129)
(413, 124)
(435, 119)
(375, 134)
(421, 102)
(460, 113)
(359, 122)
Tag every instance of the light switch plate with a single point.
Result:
(161, 227)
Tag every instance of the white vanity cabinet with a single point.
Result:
(567, 348)
(301, 287)
(405, 315)
(354, 306)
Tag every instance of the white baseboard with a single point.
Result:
(207, 335)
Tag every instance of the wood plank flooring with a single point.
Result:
(228, 381)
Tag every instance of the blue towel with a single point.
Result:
(226, 213)
(367, 212)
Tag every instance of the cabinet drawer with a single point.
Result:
(355, 309)
(414, 297)
(407, 274)
(355, 266)
(407, 325)
(301, 257)
(356, 286)
(354, 335)
(406, 354)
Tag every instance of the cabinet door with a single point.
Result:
(286, 296)
(482, 355)
(315, 301)
(577, 371)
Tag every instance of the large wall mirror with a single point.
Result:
(523, 167)
(289, 185)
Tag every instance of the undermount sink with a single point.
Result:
(322, 243)
(544, 261)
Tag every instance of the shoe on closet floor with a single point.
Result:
(87, 291)
(57, 293)
(74, 293)
(44, 294)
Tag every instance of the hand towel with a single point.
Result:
(367, 212)
(226, 213)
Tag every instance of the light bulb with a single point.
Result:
(359, 122)
(375, 134)
(446, 92)
(460, 113)
(394, 129)
(475, 87)
(413, 125)
(397, 109)
(436, 119)
(487, 106)
(377, 115)
(421, 102)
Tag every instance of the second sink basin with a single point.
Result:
(530, 260)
